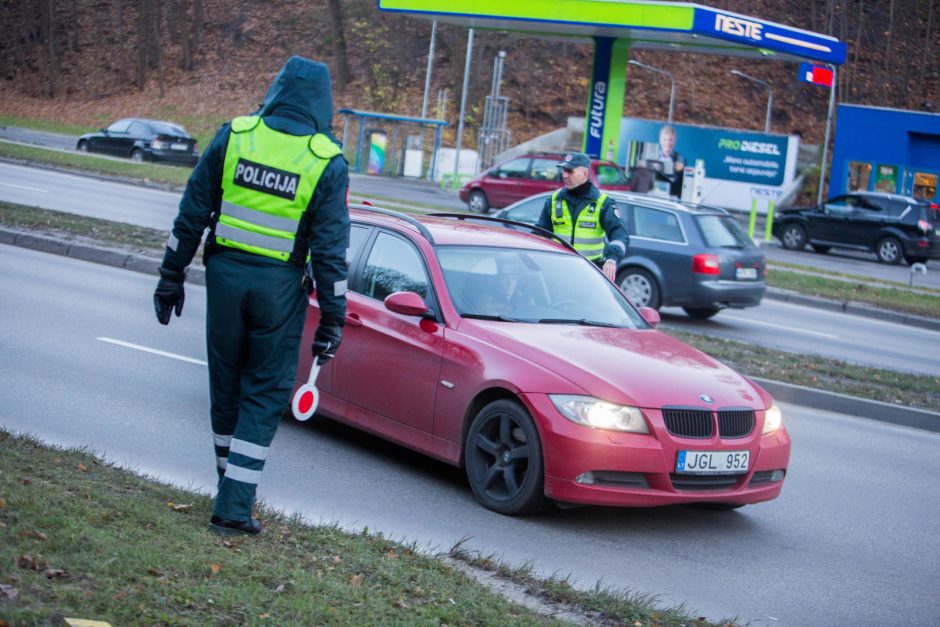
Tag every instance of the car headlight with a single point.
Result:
(773, 419)
(157, 144)
(593, 412)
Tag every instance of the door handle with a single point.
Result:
(353, 320)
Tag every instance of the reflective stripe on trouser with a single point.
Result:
(253, 328)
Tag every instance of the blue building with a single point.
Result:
(889, 150)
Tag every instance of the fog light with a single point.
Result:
(586, 478)
(776, 475)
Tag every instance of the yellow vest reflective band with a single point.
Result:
(267, 183)
(587, 236)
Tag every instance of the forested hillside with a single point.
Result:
(88, 61)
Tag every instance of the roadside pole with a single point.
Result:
(825, 153)
(455, 182)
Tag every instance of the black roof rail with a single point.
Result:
(402, 216)
(535, 230)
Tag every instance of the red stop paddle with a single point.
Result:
(307, 397)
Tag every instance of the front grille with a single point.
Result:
(689, 422)
(735, 423)
(703, 482)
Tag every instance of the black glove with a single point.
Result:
(325, 341)
(169, 294)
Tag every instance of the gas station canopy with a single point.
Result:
(616, 26)
(673, 26)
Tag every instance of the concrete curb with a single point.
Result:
(784, 392)
(854, 308)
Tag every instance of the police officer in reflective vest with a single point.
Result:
(271, 188)
(581, 214)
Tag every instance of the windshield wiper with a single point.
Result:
(500, 317)
(582, 321)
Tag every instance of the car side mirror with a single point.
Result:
(502, 175)
(406, 304)
(650, 315)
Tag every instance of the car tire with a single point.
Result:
(793, 237)
(478, 202)
(503, 460)
(701, 313)
(83, 146)
(640, 287)
(889, 251)
(819, 248)
(137, 155)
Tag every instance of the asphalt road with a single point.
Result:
(775, 324)
(853, 539)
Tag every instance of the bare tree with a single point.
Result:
(927, 49)
(53, 58)
(195, 32)
(142, 27)
(343, 74)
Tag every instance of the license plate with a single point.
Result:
(936, 231)
(179, 146)
(745, 273)
(712, 462)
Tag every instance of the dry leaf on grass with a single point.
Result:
(355, 581)
(154, 572)
(391, 554)
(179, 507)
(83, 467)
(8, 593)
(215, 568)
(3, 503)
(55, 573)
(32, 533)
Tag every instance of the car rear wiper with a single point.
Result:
(500, 317)
(582, 321)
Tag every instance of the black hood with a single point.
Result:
(301, 91)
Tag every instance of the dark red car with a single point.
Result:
(521, 177)
(508, 354)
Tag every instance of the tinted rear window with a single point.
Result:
(163, 128)
(722, 232)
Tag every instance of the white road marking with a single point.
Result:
(780, 326)
(154, 351)
(30, 189)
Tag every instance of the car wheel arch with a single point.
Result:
(651, 268)
(482, 399)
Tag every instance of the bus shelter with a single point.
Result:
(389, 144)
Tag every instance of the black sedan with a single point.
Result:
(681, 255)
(892, 226)
(143, 140)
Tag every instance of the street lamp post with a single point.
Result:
(770, 95)
(672, 90)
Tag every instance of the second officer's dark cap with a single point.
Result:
(574, 160)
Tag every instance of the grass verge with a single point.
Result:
(821, 373)
(897, 299)
(783, 265)
(82, 538)
(817, 372)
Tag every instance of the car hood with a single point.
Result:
(643, 368)
(301, 90)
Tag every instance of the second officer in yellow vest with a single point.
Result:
(271, 190)
(584, 216)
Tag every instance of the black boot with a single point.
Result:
(225, 527)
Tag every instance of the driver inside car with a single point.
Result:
(499, 294)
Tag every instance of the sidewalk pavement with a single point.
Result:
(784, 392)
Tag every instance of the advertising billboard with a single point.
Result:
(739, 165)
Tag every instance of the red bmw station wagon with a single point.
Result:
(508, 354)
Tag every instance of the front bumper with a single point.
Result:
(598, 467)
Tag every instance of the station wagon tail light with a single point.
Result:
(705, 264)
(924, 226)
(598, 414)
(773, 419)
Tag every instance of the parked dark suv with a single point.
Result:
(894, 227)
(519, 178)
(681, 255)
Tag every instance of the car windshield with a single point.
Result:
(518, 285)
(610, 175)
(723, 232)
